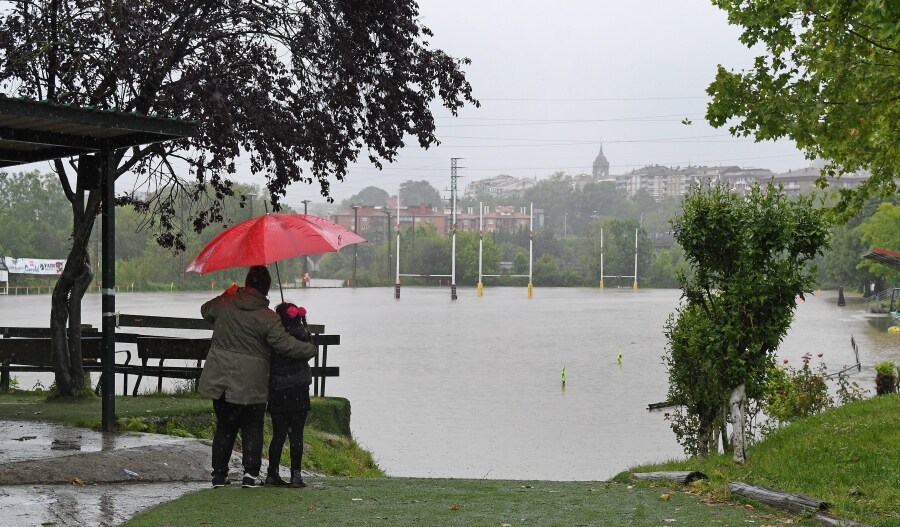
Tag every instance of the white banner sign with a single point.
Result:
(34, 266)
(4, 276)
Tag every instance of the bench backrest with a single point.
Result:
(43, 332)
(150, 321)
(37, 351)
(172, 348)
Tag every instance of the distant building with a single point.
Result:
(804, 180)
(502, 186)
(601, 166)
(374, 225)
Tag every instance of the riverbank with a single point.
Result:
(330, 448)
(846, 456)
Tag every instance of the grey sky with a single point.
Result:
(556, 79)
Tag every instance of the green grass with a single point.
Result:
(332, 450)
(848, 456)
(401, 502)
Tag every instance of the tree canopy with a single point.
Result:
(749, 256)
(297, 88)
(301, 88)
(414, 193)
(829, 79)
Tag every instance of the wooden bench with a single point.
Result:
(28, 349)
(167, 348)
(35, 354)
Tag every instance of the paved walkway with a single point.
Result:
(68, 476)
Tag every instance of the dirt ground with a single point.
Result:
(58, 475)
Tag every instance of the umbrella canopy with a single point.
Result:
(270, 238)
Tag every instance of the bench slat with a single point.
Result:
(37, 351)
(172, 348)
(150, 321)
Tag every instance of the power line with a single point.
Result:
(594, 99)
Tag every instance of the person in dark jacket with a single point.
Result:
(235, 376)
(289, 399)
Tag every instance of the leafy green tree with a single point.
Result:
(829, 79)
(371, 196)
(35, 217)
(299, 88)
(555, 195)
(839, 264)
(617, 248)
(882, 230)
(666, 267)
(697, 378)
(548, 273)
(467, 257)
(598, 200)
(520, 262)
(413, 193)
(749, 256)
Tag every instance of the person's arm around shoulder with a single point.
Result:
(209, 309)
(283, 343)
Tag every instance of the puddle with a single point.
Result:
(69, 505)
(21, 440)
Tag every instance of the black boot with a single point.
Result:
(297, 479)
(273, 479)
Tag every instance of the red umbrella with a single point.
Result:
(266, 239)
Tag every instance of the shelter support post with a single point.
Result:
(108, 305)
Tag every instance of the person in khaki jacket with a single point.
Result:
(236, 374)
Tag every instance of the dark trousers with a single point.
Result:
(231, 419)
(287, 425)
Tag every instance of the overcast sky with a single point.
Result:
(557, 79)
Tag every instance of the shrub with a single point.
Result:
(885, 367)
(793, 394)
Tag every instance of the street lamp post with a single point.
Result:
(305, 274)
(250, 198)
(355, 246)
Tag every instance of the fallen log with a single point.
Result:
(834, 521)
(776, 498)
(684, 477)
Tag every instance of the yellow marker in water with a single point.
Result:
(619, 358)
(563, 376)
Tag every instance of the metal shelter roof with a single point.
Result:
(884, 257)
(32, 131)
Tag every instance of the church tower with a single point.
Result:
(601, 166)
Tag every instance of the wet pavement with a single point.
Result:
(64, 476)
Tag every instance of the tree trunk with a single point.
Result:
(723, 423)
(885, 384)
(65, 321)
(65, 310)
(738, 404)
